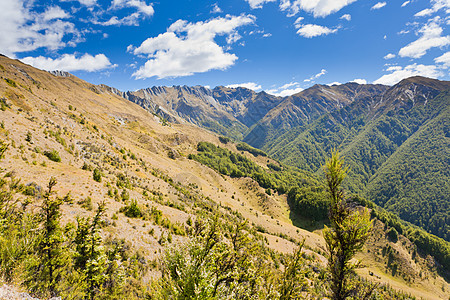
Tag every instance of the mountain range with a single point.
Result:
(388, 134)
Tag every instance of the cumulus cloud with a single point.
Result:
(69, 63)
(431, 37)
(188, 48)
(258, 3)
(146, 9)
(249, 85)
(359, 81)
(313, 30)
(444, 59)
(346, 17)
(216, 9)
(54, 12)
(23, 30)
(319, 8)
(389, 56)
(314, 77)
(378, 5)
(398, 73)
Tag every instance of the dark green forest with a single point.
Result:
(399, 156)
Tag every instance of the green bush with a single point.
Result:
(392, 235)
(132, 210)
(53, 155)
(97, 175)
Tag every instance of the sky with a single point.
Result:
(279, 46)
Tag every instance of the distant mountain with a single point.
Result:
(227, 111)
(303, 108)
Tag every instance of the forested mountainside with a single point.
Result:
(368, 123)
(397, 147)
(101, 199)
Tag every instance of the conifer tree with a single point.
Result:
(51, 254)
(350, 228)
(91, 258)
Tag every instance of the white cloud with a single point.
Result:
(23, 30)
(378, 5)
(216, 9)
(346, 17)
(258, 3)
(389, 56)
(312, 78)
(140, 5)
(55, 12)
(444, 59)
(405, 3)
(131, 20)
(313, 30)
(423, 13)
(288, 85)
(285, 92)
(249, 85)
(69, 62)
(319, 8)
(188, 48)
(359, 81)
(431, 38)
(334, 83)
(436, 6)
(83, 2)
(398, 73)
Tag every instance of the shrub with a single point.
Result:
(53, 155)
(392, 235)
(97, 175)
(132, 210)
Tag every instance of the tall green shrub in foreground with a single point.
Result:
(52, 256)
(350, 229)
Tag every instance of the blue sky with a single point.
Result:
(279, 46)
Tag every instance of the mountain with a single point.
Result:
(303, 108)
(368, 123)
(227, 111)
(402, 134)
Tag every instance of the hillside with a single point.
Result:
(373, 135)
(160, 195)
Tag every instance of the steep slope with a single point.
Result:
(227, 111)
(370, 131)
(414, 182)
(305, 107)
